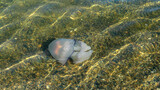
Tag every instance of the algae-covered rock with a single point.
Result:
(124, 37)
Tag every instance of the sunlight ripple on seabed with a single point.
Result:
(23, 61)
(6, 43)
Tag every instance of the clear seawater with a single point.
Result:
(124, 35)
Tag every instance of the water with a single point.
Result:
(124, 34)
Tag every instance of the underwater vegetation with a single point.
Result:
(124, 37)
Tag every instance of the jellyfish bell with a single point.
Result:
(61, 49)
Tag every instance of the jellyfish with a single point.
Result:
(63, 49)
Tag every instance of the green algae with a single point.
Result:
(125, 39)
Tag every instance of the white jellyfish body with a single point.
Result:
(62, 49)
(82, 55)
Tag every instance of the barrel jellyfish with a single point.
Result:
(63, 49)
